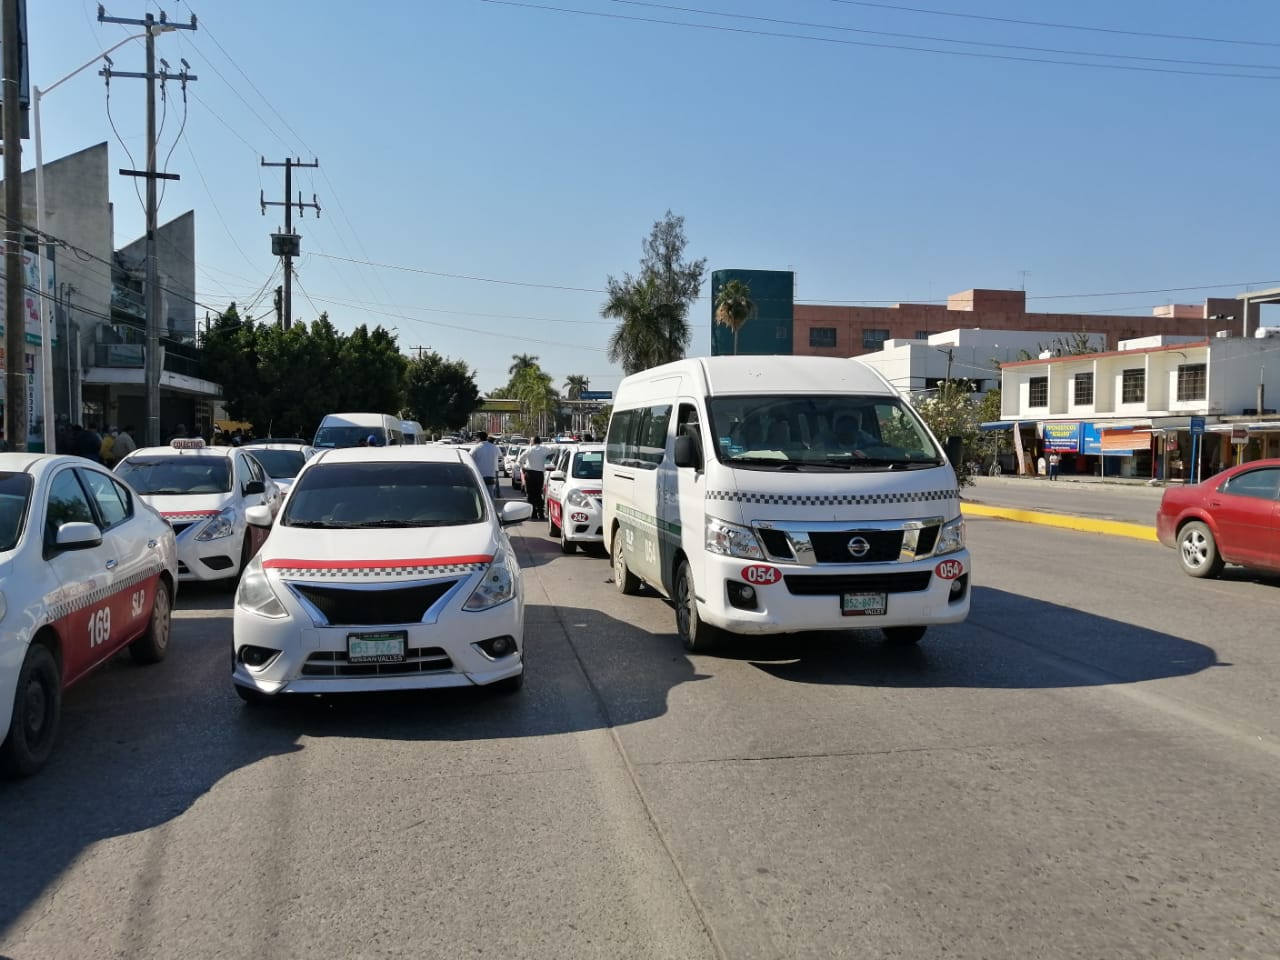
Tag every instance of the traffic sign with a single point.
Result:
(596, 395)
(1197, 426)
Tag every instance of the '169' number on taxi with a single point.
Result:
(99, 626)
(761, 573)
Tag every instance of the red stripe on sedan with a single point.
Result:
(283, 562)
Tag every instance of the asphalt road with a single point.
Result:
(1087, 768)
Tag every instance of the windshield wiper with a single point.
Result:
(892, 462)
(323, 524)
(165, 492)
(389, 523)
(776, 462)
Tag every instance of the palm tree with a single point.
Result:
(650, 331)
(574, 384)
(522, 361)
(734, 307)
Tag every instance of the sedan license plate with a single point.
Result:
(862, 604)
(376, 647)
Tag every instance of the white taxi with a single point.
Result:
(387, 569)
(86, 569)
(574, 495)
(203, 492)
(281, 459)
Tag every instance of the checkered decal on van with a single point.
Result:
(367, 570)
(832, 500)
(66, 607)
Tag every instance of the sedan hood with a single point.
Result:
(379, 553)
(189, 506)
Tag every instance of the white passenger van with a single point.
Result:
(413, 432)
(777, 494)
(349, 429)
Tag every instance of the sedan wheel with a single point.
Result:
(1197, 550)
(152, 646)
(37, 710)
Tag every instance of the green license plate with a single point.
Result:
(863, 604)
(376, 647)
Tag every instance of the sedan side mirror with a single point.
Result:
(515, 512)
(78, 535)
(254, 486)
(259, 516)
(555, 475)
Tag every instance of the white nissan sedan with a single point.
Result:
(574, 494)
(86, 570)
(203, 492)
(387, 569)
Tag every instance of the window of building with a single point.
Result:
(782, 332)
(873, 339)
(1083, 392)
(1133, 386)
(923, 335)
(1038, 396)
(822, 336)
(1191, 381)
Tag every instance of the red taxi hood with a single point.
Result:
(414, 551)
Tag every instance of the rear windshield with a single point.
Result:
(350, 436)
(176, 475)
(589, 465)
(15, 497)
(280, 464)
(386, 495)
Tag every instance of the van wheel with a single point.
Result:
(697, 636)
(623, 579)
(37, 710)
(903, 636)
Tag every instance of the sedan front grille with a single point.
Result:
(367, 607)
(333, 663)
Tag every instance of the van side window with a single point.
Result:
(638, 438)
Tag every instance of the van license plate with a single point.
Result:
(862, 604)
(376, 647)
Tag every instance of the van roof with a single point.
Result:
(775, 374)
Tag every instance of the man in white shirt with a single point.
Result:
(533, 466)
(485, 454)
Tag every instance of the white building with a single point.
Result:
(1151, 407)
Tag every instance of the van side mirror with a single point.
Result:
(686, 452)
(955, 450)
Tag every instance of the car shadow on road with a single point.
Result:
(139, 747)
(1009, 642)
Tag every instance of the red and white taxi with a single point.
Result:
(387, 569)
(203, 492)
(86, 569)
(574, 495)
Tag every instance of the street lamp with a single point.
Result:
(46, 322)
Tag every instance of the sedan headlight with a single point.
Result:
(950, 537)
(731, 540)
(577, 498)
(223, 525)
(255, 594)
(497, 586)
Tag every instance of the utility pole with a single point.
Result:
(15, 324)
(153, 308)
(288, 245)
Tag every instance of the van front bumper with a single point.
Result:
(797, 598)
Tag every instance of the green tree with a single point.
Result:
(653, 307)
(521, 361)
(371, 371)
(539, 401)
(734, 307)
(574, 384)
(600, 422)
(951, 412)
(440, 393)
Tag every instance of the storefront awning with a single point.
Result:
(997, 425)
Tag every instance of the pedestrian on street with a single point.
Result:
(1054, 462)
(485, 454)
(124, 444)
(86, 443)
(106, 450)
(533, 464)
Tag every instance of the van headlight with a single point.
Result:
(255, 594)
(732, 540)
(950, 537)
(497, 586)
(223, 525)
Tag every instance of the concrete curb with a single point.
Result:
(1115, 528)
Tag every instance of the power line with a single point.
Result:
(1055, 26)
(745, 31)
(935, 39)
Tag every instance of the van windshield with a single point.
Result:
(349, 435)
(824, 432)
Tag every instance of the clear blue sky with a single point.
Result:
(533, 146)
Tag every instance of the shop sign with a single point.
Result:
(1062, 437)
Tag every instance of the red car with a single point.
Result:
(1232, 517)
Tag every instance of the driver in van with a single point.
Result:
(849, 435)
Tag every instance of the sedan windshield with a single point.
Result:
(176, 475)
(15, 495)
(410, 494)
(825, 432)
(588, 465)
(280, 464)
